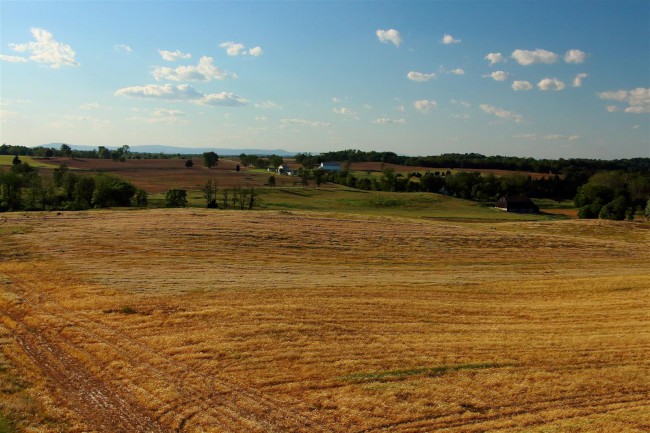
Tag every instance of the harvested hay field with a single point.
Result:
(190, 320)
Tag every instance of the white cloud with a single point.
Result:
(494, 58)
(344, 110)
(387, 121)
(314, 123)
(223, 99)
(561, 137)
(526, 57)
(233, 49)
(238, 49)
(389, 36)
(12, 59)
(575, 56)
(638, 100)
(499, 75)
(521, 85)
(181, 92)
(165, 112)
(501, 113)
(577, 81)
(614, 95)
(448, 39)
(420, 77)
(255, 51)
(90, 106)
(173, 56)
(46, 50)
(267, 104)
(461, 103)
(204, 71)
(530, 136)
(401, 109)
(457, 71)
(551, 84)
(123, 48)
(424, 105)
(170, 92)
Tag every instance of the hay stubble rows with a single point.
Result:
(191, 320)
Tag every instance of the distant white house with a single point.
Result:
(330, 166)
(285, 169)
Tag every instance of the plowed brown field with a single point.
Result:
(190, 320)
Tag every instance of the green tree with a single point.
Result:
(176, 197)
(16, 160)
(189, 163)
(271, 180)
(112, 191)
(614, 210)
(83, 192)
(210, 159)
(10, 191)
(276, 161)
(209, 190)
(66, 150)
(141, 198)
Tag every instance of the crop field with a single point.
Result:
(191, 320)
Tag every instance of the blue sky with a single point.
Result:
(543, 79)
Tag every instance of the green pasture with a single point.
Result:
(342, 200)
(36, 163)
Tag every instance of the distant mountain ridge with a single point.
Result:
(157, 148)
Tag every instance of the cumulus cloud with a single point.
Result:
(575, 56)
(501, 113)
(521, 85)
(499, 75)
(182, 92)
(638, 99)
(238, 49)
(173, 56)
(424, 105)
(551, 84)
(46, 50)
(12, 59)
(577, 81)
(612, 108)
(388, 121)
(223, 99)
(448, 39)
(526, 57)
(494, 58)
(204, 71)
(314, 123)
(255, 51)
(389, 36)
(420, 77)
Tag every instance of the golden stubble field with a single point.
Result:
(190, 320)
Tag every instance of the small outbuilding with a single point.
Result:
(516, 203)
(330, 166)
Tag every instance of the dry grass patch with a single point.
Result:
(269, 321)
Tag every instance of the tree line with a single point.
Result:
(22, 188)
(476, 160)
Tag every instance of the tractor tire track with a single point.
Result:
(229, 404)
